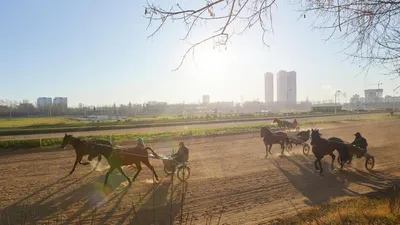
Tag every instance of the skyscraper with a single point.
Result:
(286, 86)
(269, 87)
(281, 86)
(292, 86)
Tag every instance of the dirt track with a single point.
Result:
(181, 127)
(228, 173)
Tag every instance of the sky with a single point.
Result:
(98, 52)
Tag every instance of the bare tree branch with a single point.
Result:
(251, 11)
(370, 28)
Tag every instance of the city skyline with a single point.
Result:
(114, 61)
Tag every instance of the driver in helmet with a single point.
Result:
(360, 142)
(182, 155)
(140, 142)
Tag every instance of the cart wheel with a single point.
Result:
(183, 173)
(167, 171)
(306, 149)
(297, 129)
(369, 162)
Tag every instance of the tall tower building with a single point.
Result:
(292, 87)
(269, 87)
(281, 86)
(286, 86)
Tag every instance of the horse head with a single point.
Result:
(66, 141)
(315, 135)
(265, 132)
(276, 120)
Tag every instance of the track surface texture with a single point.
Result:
(230, 181)
(183, 127)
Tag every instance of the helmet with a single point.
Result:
(357, 134)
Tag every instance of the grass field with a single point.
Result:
(170, 135)
(25, 126)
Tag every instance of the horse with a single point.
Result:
(285, 124)
(271, 138)
(322, 147)
(118, 158)
(82, 148)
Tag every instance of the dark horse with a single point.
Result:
(285, 124)
(82, 148)
(322, 147)
(118, 158)
(271, 138)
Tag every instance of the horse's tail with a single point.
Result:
(152, 151)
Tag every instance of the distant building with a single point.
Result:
(269, 87)
(206, 99)
(292, 87)
(44, 102)
(286, 86)
(60, 101)
(373, 95)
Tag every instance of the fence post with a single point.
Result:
(40, 142)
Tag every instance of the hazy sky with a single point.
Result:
(97, 52)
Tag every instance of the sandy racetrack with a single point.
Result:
(229, 179)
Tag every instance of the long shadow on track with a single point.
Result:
(320, 189)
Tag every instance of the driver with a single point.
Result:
(360, 142)
(140, 142)
(182, 155)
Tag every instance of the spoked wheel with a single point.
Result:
(306, 149)
(369, 162)
(168, 171)
(183, 173)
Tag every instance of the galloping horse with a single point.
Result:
(322, 147)
(285, 124)
(117, 158)
(273, 138)
(82, 148)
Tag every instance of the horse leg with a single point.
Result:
(147, 163)
(139, 168)
(85, 163)
(123, 174)
(266, 151)
(98, 162)
(315, 164)
(333, 159)
(270, 146)
(112, 168)
(320, 165)
(77, 159)
(282, 147)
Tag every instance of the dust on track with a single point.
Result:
(228, 174)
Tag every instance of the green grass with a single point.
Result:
(36, 122)
(25, 126)
(168, 135)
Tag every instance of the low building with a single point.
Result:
(326, 108)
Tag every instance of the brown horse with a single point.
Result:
(82, 148)
(322, 147)
(118, 158)
(283, 124)
(271, 138)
